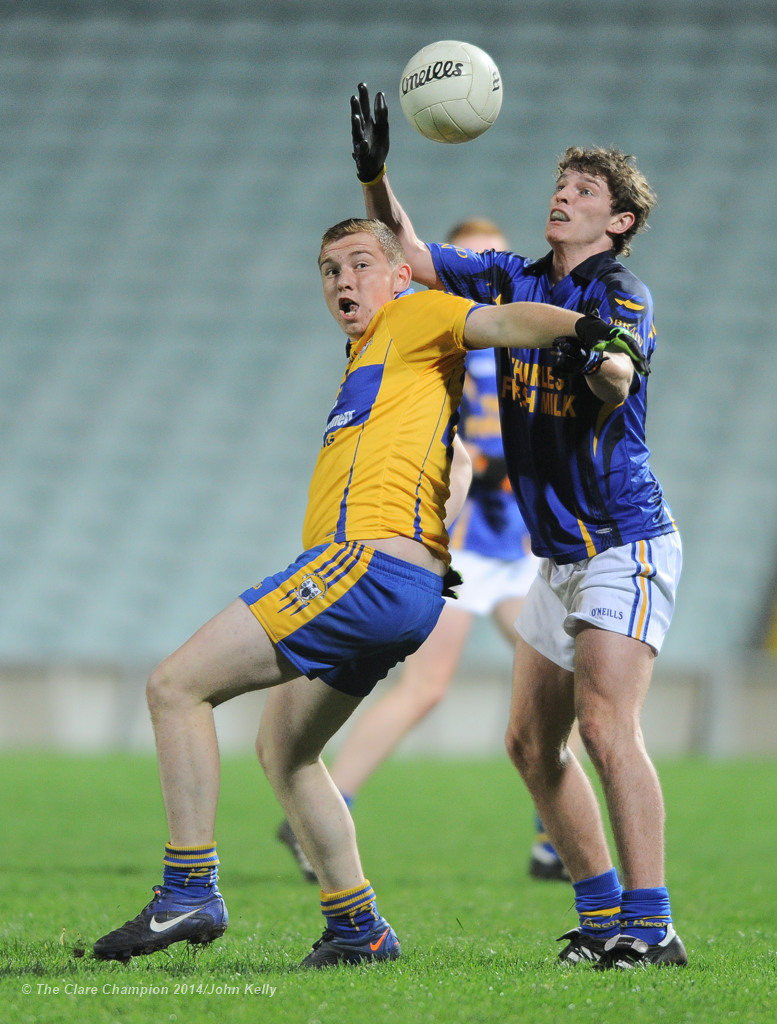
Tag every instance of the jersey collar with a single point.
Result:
(589, 270)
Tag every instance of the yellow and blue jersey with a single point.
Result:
(384, 465)
(579, 467)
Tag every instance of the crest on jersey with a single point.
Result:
(310, 588)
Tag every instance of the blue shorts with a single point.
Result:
(347, 614)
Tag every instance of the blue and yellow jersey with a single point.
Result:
(579, 467)
(384, 465)
(489, 523)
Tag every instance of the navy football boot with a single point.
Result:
(167, 919)
(380, 943)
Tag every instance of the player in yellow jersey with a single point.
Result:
(490, 547)
(364, 594)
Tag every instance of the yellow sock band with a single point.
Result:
(191, 857)
(347, 902)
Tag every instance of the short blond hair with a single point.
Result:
(390, 245)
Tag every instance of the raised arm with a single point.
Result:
(370, 134)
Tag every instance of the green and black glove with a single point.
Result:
(585, 352)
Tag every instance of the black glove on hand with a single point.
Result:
(370, 134)
(489, 470)
(585, 353)
(450, 580)
(597, 335)
(569, 356)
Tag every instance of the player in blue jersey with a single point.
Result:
(491, 549)
(573, 425)
(364, 594)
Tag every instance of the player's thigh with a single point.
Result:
(298, 720)
(432, 666)
(505, 613)
(229, 655)
(628, 589)
(612, 678)
(542, 705)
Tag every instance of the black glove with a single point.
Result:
(450, 580)
(489, 470)
(370, 134)
(585, 353)
(597, 335)
(569, 356)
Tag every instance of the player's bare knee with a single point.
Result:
(279, 759)
(603, 740)
(521, 749)
(162, 690)
(265, 752)
(539, 758)
(429, 697)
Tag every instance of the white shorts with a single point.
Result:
(628, 590)
(489, 581)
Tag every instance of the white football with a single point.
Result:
(451, 91)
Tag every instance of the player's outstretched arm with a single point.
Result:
(370, 136)
(607, 355)
(579, 340)
(519, 325)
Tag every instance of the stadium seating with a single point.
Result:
(168, 363)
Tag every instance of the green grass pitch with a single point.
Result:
(445, 843)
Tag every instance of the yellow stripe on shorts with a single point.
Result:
(312, 589)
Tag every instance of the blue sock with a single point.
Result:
(645, 914)
(349, 799)
(598, 902)
(191, 870)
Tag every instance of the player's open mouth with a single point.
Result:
(559, 215)
(348, 307)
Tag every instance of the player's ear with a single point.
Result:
(403, 275)
(621, 222)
